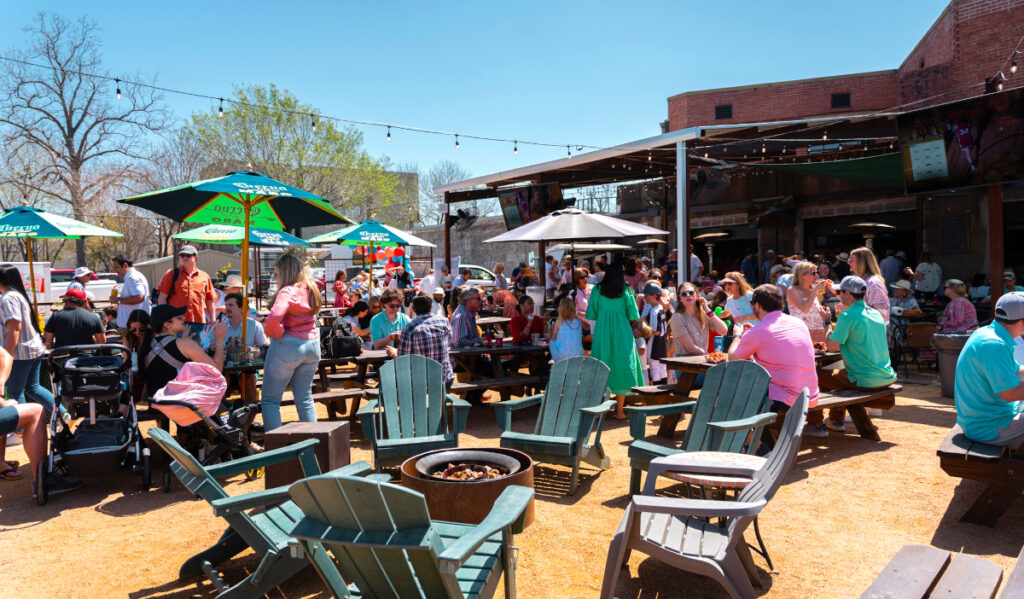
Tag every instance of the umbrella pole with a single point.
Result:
(32, 276)
(245, 292)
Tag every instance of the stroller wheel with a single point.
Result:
(40, 484)
(255, 473)
(167, 481)
(147, 472)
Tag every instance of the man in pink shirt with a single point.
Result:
(782, 345)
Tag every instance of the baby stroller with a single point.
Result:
(207, 427)
(94, 438)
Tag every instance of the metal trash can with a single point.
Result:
(948, 346)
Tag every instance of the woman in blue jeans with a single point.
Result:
(22, 340)
(294, 341)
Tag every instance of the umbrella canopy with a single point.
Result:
(230, 235)
(589, 247)
(26, 222)
(371, 232)
(573, 224)
(225, 200)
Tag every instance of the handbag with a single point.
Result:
(337, 340)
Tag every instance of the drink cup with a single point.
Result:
(499, 342)
(535, 338)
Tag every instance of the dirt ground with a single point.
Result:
(848, 506)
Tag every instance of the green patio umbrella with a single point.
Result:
(232, 235)
(28, 223)
(372, 233)
(243, 198)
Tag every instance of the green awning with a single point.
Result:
(884, 169)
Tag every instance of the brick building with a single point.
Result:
(970, 41)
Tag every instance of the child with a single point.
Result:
(657, 345)
(567, 340)
(110, 319)
(642, 332)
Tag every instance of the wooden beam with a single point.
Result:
(995, 241)
(452, 197)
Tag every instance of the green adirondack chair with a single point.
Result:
(574, 401)
(265, 531)
(384, 540)
(413, 413)
(732, 403)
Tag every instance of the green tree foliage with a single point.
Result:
(268, 130)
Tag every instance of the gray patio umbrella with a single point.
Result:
(573, 224)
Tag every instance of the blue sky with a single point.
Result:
(595, 73)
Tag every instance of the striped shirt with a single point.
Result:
(464, 331)
(14, 306)
(428, 335)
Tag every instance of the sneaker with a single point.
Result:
(58, 485)
(13, 439)
(832, 425)
(815, 430)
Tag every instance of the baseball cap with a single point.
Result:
(162, 313)
(853, 284)
(75, 292)
(776, 268)
(901, 285)
(652, 289)
(1007, 274)
(189, 249)
(81, 271)
(438, 291)
(232, 281)
(1010, 306)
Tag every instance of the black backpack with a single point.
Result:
(338, 341)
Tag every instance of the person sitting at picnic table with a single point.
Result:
(110, 319)
(524, 322)
(163, 352)
(428, 335)
(738, 304)
(581, 295)
(386, 326)
(860, 332)
(960, 314)
(340, 290)
(708, 288)
(692, 323)
(453, 300)
(802, 298)
(356, 316)
(465, 333)
(634, 274)
(611, 308)
(75, 324)
(567, 337)
(902, 305)
(782, 345)
(437, 303)
(989, 383)
(254, 337)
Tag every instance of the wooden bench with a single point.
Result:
(919, 571)
(657, 395)
(856, 402)
(992, 464)
(503, 385)
(332, 399)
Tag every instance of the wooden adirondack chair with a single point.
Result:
(266, 531)
(678, 532)
(732, 403)
(570, 407)
(384, 540)
(413, 413)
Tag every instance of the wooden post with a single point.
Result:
(995, 241)
(447, 233)
(542, 270)
(245, 288)
(32, 276)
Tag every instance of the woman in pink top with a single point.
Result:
(959, 315)
(864, 264)
(294, 341)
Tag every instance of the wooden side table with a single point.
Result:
(332, 451)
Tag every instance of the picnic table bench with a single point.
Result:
(992, 464)
(856, 402)
(337, 402)
(920, 571)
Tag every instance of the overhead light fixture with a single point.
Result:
(389, 133)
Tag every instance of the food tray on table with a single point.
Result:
(716, 357)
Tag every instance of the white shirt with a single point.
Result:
(437, 308)
(135, 283)
(931, 277)
(695, 266)
(428, 284)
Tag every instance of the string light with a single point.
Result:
(515, 150)
(763, 149)
(1013, 62)
(824, 136)
(389, 132)
(457, 146)
(568, 151)
(312, 120)
(648, 156)
(220, 110)
(117, 83)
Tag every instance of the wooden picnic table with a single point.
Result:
(689, 367)
(489, 322)
(536, 354)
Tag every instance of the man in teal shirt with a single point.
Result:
(386, 326)
(860, 332)
(989, 390)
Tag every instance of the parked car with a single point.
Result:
(97, 288)
(478, 275)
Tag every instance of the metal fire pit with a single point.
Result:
(467, 501)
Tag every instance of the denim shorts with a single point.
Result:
(8, 419)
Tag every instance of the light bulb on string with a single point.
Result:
(220, 110)
(457, 146)
(389, 133)
(890, 145)
(117, 84)
(312, 121)
(648, 156)
(515, 149)
(824, 136)
(763, 149)
(705, 154)
(783, 149)
(1013, 66)
(568, 151)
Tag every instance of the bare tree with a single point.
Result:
(442, 173)
(18, 187)
(597, 198)
(56, 103)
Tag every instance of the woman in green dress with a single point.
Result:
(612, 305)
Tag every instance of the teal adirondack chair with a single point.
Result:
(413, 413)
(384, 540)
(732, 403)
(265, 531)
(575, 399)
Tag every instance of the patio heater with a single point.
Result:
(651, 245)
(709, 240)
(872, 230)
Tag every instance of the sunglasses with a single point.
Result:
(395, 306)
(186, 255)
(137, 330)
(687, 293)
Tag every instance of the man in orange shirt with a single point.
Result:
(188, 287)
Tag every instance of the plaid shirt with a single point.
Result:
(464, 331)
(428, 335)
